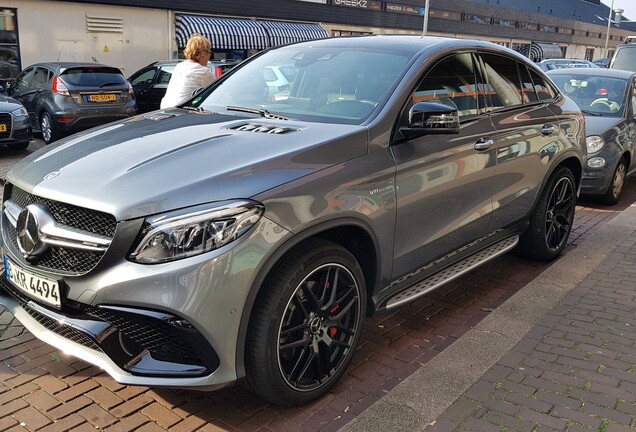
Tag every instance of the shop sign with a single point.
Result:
(363, 4)
(394, 7)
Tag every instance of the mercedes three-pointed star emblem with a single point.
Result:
(29, 224)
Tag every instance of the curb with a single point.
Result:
(421, 398)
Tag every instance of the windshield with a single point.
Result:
(595, 95)
(316, 84)
(625, 58)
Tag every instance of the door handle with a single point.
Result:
(484, 144)
(547, 129)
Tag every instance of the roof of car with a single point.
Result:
(68, 65)
(609, 73)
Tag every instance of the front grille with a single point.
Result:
(6, 120)
(58, 259)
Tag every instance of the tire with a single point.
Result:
(613, 193)
(551, 220)
(306, 325)
(18, 146)
(47, 127)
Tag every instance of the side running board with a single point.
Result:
(453, 272)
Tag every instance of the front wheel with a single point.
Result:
(613, 193)
(306, 324)
(551, 221)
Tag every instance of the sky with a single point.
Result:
(629, 6)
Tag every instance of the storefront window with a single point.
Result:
(9, 48)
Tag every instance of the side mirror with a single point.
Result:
(427, 118)
(8, 86)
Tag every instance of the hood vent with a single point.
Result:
(270, 129)
(158, 116)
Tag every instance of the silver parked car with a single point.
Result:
(242, 236)
(607, 98)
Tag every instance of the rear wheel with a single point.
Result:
(47, 127)
(551, 221)
(306, 325)
(613, 193)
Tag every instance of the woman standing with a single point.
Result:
(191, 74)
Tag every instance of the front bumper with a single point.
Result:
(168, 325)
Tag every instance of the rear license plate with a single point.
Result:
(42, 289)
(102, 98)
(3, 127)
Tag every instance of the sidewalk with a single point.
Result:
(559, 355)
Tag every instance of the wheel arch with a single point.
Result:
(350, 233)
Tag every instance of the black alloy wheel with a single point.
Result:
(551, 221)
(307, 324)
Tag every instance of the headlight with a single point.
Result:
(594, 143)
(20, 112)
(193, 231)
(596, 162)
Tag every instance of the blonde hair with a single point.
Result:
(197, 44)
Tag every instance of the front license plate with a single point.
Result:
(3, 127)
(102, 98)
(42, 289)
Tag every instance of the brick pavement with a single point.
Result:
(43, 389)
(574, 372)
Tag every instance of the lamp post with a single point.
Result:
(425, 28)
(609, 23)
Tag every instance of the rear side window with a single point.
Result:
(544, 90)
(503, 78)
(93, 77)
(625, 58)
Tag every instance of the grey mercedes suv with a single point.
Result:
(246, 235)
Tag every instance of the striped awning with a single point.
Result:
(226, 33)
(223, 33)
(281, 33)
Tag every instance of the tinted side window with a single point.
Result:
(543, 88)
(165, 73)
(503, 78)
(528, 93)
(24, 79)
(40, 78)
(452, 82)
(143, 77)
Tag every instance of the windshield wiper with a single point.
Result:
(592, 113)
(261, 112)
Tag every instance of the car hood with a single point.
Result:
(595, 125)
(8, 104)
(172, 159)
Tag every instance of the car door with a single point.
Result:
(444, 186)
(526, 139)
(24, 92)
(142, 83)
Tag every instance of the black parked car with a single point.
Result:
(62, 98)
(607, 98)
(150, 83)
(15, 128)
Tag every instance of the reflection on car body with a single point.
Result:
(250, 233)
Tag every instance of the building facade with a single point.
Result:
(133, 33)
